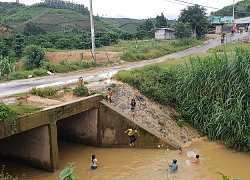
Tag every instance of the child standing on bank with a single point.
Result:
(110, 95)
(133, 104)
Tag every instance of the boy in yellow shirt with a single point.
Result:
(131, 135)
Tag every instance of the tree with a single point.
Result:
(4, 49)
(196, 17)
(145, 29)
(34, 57)
(161, 21)
(182, 30)
(32, 29)
(18, 44)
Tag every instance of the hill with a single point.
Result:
(51, 17)
(241, 9)
(127, 24)
(130, 25)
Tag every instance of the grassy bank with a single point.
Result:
(153, 48)
(210, 92)
(146, 49)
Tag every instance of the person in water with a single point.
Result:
(174, 166)
(131, 135)
(180, 150)
(197, 160)
(94, 162)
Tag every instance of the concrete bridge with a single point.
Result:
(89, 121)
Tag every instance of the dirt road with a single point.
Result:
(97, 74)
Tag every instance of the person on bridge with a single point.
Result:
(131, 135)
(139, 96)
(94, 162)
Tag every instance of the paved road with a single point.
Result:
(94, 75)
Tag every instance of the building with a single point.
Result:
(243, 23)
(226, 23)
(164, 33)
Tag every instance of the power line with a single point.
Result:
(185, 3)
(176, 2)
(193, 4)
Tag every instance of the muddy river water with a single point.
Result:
(144, 164)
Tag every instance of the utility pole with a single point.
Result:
(92, 31)
(233, 9)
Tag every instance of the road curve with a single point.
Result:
(96, 74)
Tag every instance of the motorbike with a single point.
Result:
(222, 38)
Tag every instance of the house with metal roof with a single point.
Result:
(164, 33)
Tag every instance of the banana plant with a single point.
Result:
(6, 66)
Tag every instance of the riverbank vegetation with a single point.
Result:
(5, 176)
(210, 92)
(11, 112)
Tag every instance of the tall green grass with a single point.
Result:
(61, 67)
(150, 49)
(211, 92)
(154, 81)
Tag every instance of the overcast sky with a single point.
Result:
(142, 9)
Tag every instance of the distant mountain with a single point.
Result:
(241, 9)
(127, 24)
(130, 25)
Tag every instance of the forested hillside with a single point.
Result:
(54, 24)
(127, 24)
(241, 9)
(50, 16)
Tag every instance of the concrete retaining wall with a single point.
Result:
(81, 128)
(88, 120)
(113, 123)
(31, 147)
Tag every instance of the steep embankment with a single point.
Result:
(151, 114)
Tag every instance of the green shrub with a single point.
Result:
(64, 66)
(81, 91)
(39, 72)
(22, 109)
(180, 122)
(19, 75)
(66, 89)
(34, 57)
(44, 92)
(7, 114)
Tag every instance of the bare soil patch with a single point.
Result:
(56, 57)
(5, 32)
(65, 97)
